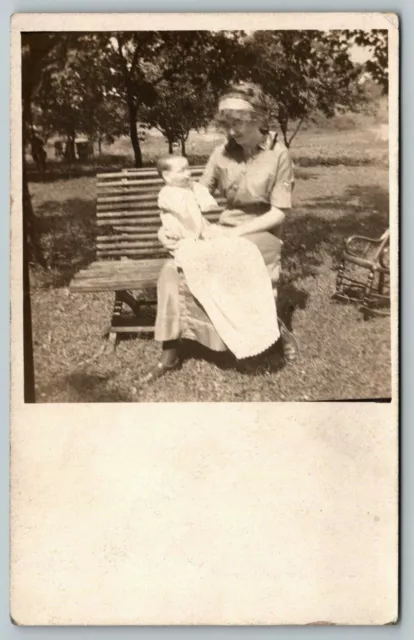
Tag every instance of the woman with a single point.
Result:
(257, 181)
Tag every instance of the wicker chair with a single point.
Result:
(372, 290)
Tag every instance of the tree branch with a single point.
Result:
(296, 130)
(134, 59)
(121, 56)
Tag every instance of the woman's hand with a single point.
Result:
(212, 231)
(169, 239)
(218, 231)
(264, 222)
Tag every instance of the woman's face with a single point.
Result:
(242, 128)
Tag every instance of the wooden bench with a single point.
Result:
(368, 256)
(129, 255)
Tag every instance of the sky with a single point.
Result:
(360, 54)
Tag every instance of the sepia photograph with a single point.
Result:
(206, 215)
(204, 319)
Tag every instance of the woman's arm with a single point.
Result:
(280, 199)
(209, 178)
(264, 222)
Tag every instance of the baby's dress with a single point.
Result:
(219, 271)
(182, 209)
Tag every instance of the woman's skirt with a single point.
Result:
(179, 315)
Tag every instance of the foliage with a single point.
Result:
(376, 40)
(172, 78)
(75, 94)
(305, 73)
(101, 83)
(190, 70)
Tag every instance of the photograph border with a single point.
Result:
(333, 633)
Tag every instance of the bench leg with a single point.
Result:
(367, 296)
(381, 284)
(116, 314)
(129, 300)
(339, 278)
(112, 339)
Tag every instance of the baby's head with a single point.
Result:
(174, 170)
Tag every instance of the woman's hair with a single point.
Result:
(251, 93)
(254, 95)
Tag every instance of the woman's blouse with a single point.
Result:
(250, 187)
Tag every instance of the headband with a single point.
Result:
(235, 104)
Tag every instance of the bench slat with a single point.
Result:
(129, 254)
(140, 195)
(196, 170)
(132, 208)
(147, 251)
(135, 173)
(144, 235)
(148, 217)
(152, 243)
(141, 268)
(125, 198)
(149, 181)
(125, 182)
(118, 275)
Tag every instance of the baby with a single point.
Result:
(182, 202)
(216, 271)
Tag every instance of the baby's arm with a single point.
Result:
(205, 199)
(170, 242)
(170, 233)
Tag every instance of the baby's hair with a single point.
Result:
(166, 162)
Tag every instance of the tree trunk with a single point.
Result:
(29, 375)
(132, 108)
(70, 148)
(31, 72)
(284, 129)
(183, 152)
(100, 145)
(296, 131)
(133, 131)
(170, 146)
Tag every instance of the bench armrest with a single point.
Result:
(365, 244)
(358, 240)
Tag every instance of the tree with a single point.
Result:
(191, 69)
(36, 56)
(127, 52)
(376, 41)
(304, 72)
(106, 80)
(177, 110)
(76, 96)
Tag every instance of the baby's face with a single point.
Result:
(179, 174)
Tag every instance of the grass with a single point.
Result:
(342, 189)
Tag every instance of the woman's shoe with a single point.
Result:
(159, 370)
(289, 343)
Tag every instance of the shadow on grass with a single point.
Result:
(57, 170)
(327, 223)
(93, 388)
(68, 237)
(68, 234)
(341, 160)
